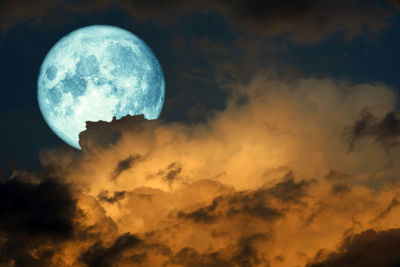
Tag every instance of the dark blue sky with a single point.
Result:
(185, 50)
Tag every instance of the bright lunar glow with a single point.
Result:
(97, 73)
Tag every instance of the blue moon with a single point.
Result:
(97, 73)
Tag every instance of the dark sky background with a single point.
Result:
(192, 90)
(277, 145)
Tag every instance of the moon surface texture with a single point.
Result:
(97, 73)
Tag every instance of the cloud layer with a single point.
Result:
(305, 20)
(269, 181)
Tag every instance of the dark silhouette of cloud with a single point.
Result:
(337, 176)
(255, 204)
(190, 257)
(367, 249)
(308, 20)
(393, 204)
(173, 170)
(204, 214)
(124, 165)
(99, 255)
(118, 195)
(289, 190)
(247, 254)
(104, 134)
(34, 217)
(385, 131)
(340, 188)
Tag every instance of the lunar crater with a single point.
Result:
(51, 73)
(88, 66)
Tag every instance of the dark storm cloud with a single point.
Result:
(100, 137)
(340, 188)
(46, 207)
(99, 255)
(244, 254)
(395, 3)
(173, 170)
(308, 20)
(367, 249)
(204, 214)
(254, 204)
(118, 195)
(34, 217)
(104, 134)
(320, 207)
(131, 250)
(190, 257)
(247, 254)
(124, 165)
(339, 180)
(385, 131)
(289, 190)
(336, 176)
(395, 202)
(170, 174)
(22, 11)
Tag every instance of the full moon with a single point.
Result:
(97, 73)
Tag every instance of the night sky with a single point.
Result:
(278, 142)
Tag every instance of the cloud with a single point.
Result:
(305, 21)
(118, 195)
(395, 202)
(35, 218)
(190, 257)
(125, 164)
(395, 3)
(100, 256)
(254, 204)
(369, 248)
(385, 132)
(267, 181)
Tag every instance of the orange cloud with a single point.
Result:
(268, 181)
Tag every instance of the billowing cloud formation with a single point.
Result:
(269, 181)
(306, 20)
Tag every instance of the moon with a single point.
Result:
(97, 73)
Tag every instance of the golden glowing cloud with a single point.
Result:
(269, 180)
